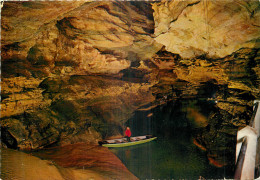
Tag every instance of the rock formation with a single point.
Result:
(77, 71)
(214, 28)
(77, 161)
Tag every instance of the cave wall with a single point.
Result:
(62, 73)
(214, 28)
(77, 71)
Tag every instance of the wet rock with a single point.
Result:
(96, 160)
(19, 165)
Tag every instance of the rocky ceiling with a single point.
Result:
(72, 70)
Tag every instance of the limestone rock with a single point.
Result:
(22, 20)
(38, 49)
(215, 28)
(20, 165)
(76, 72)
(20, 94)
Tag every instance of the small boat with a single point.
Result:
(122, 142)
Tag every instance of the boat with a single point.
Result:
(122, 142)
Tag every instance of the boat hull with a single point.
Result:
(129, 143)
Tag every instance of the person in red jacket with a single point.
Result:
(127, 133)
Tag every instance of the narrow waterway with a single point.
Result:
(173, 155)
(175, 158)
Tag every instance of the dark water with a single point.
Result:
(168, 159)
(173, 155)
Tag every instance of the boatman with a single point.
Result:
(128, 134)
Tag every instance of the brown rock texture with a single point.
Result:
(215, 28)
(78, 161)
(77, 71)
(51, 61)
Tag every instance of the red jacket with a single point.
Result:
(128, 133)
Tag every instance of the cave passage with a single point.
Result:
(173, 154)
(81, 71)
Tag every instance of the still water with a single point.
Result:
(172, 155)
(169, 159)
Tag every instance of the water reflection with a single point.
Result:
(174, 154)
(128, 153)
(169, 158)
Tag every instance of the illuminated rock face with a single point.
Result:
(51, 54)
(76, 72)
(79, 38)
(20, 165)
(215, 28)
